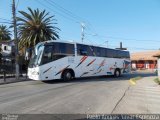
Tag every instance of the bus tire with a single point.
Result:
(117, 73)
(67, 75)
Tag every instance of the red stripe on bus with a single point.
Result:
(91, 62)
(61, 70)
(82, 60)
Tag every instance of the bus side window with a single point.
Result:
(82, 49)
(123, 54)
(118, 54)
(62, 48)
(82, 52)
(102, 52)
(70, 49)
(97, 51)
(109, 53)
(115, 53)
(126, 54)
(91, 51)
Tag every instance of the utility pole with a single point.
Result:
(121, 48)
(15, 39)
(106, 43)
(82, 32)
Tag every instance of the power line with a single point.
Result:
(65, 13)
(140, 48)
(137, 48)
(62, 9)
(66, 17)
(5, 22)
(68, 13)
(120, 38)
(132, 39)
(73, 17)
(5, 19)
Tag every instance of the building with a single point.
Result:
(7, 50)
(7, 47)
(158, 63)
(144, 60)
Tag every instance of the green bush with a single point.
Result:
(157, 80)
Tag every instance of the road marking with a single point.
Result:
(132, 82)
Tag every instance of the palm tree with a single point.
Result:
(4, 33)
(34, 27)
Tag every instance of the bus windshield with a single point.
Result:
(36, 56)
(47, 54)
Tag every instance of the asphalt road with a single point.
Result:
(87, 95)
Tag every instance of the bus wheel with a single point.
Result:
(117, 73)
(67, 75)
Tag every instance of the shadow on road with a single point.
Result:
(101, 78)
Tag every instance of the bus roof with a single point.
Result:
(73, 42)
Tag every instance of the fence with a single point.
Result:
(7, 67)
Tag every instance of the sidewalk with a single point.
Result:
(13, 80)
(143, 98)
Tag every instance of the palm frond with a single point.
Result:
(36, 26)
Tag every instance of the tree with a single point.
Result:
(0, 56)
(4, 33)
(35, 27)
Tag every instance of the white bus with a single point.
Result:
(66, 60)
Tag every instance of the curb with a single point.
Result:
(14, 81)
(11, 76)
(2, 77)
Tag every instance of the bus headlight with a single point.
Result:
(35, 73)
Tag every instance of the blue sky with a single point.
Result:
(136, 23)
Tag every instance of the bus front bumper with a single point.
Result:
(33, 74)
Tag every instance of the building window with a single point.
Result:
(5, 47)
